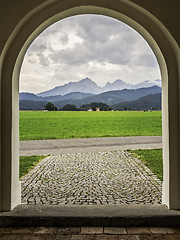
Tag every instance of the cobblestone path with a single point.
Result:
(115, 177)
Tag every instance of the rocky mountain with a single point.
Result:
(88, 86)
(116, 85)
(151, 101)
(144, 84)
(85, 86)
(119, 85)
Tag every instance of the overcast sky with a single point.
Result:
(98, 47)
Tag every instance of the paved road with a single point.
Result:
(61, 146)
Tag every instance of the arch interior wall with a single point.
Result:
(19, 28)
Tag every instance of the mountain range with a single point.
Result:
(30, 101)
(111, 97)
(88, 86)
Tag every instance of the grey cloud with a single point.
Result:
(43, 60)
(147, 60)
(96, 32)
(105, 40)
(40, 45)
(114, 51)
(64, 38)
(75, 56)
(99, 28)
(32, 61)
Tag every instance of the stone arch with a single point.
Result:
(35, 21)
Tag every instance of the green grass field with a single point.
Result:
(152, 158)
(26, 163)
(37, 125)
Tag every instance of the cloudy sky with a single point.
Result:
(98, 47)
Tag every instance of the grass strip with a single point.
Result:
(26, 163)
(152, 158)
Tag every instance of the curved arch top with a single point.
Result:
(45, 14)
(49, 12)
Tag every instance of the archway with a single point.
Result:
(164, 47)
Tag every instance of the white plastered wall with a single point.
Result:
(164, 47)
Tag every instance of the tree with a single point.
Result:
(50, 107)
(69, 107)
(94, 105)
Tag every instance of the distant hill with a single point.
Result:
(33, 97)
(28, 96)
(111, 97)
(151, 101)
(76, 95)
(88, 86)
(31, 105)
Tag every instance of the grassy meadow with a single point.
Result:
(152, 158)
(26, 163)
(38, 125)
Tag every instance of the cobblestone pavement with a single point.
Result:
(115, 177)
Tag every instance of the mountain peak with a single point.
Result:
(86, 79)
(85, 85)
(108, 83)
(115, 82)
(119, 80)
(116, 85)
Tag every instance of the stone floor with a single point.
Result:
(91, 178)
(90, 233)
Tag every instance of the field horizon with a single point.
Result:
(40, 125)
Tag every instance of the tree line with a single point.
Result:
(94, 106)
(85, 107)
